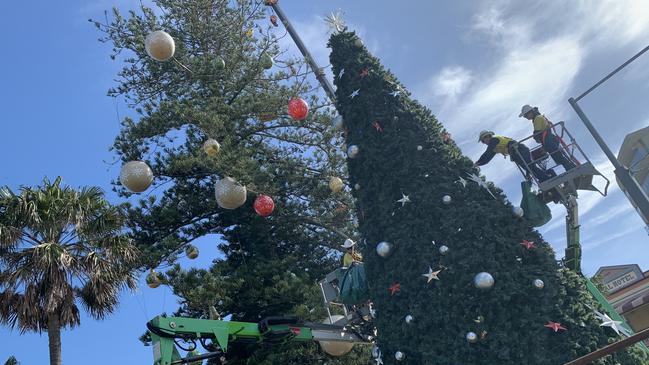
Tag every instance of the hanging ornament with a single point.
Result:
(384, 249)
(219, 63)
(528, 244)
(358, 42)
(159, 45)
(409, 318)
(211, 147)
(250, 32)
(229, 194)
(555, 326)
(446, 199)
(136, 176)
(266, 61)
(354, 93)
(264, 205)
(483, 281)
(471, 337)
(399, 356)
(357, 186)
(153, 279)
(298, 108)
(337, 123)
(364, 72)
(461, 181)
(443, 250)
(475, 178)
(431, 275)
(479, 319)
(353, 151)
(404, 199)
(538, 283)
(192, 252)
(336, 184)
(273, 20)
(419, 148)
(518, 212)
(617, 326)
(394, 288)
(395, 93)
(335, 348)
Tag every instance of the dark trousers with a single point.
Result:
(551, 145)
(522, 157)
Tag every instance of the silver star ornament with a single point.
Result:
(354, 93)
(335, 21)
(405, 199)
(475, 178)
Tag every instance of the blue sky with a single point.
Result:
(473, 63)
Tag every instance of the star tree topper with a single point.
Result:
(335, 21)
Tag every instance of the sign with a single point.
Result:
(621, 282)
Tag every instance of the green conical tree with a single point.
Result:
(404, 151)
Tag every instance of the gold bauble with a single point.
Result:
(211, 147)
(192, 252)
(159, 45)
(153, 280)
(335, 348)
(136, 176)
(229, 194)
(336, 184)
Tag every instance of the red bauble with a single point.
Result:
(298, 108)
(264, 205)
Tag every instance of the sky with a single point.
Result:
(474, 64)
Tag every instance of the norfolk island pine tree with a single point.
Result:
(404, 150)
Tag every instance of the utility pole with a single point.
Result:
(633, 191)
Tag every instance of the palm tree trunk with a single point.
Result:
(54, 336)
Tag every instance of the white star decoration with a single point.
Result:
(475, 178)
(335, 21)
(431, 275)
(355, 93)
(405, 199)
(379, 359)
(462, 181)
(615, 325)
(341, 73)
(395, 93)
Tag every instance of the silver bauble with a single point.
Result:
(159, 45)
(229, 194)
(399, 355)
(538, 283)
(471, 337)
(443, 250)
(358, 42)
(352, 151)
(211, 147)
(357, 186)
(483, 280)
(136, 176)
(409, 319)
(337, 122)
(419, 148)
(335, 348)
(384, 249)
(518, 212)
(446, 199)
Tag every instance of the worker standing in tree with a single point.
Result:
(543, 134)
(518, 152)
(351, 255)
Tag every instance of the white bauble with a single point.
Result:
(159, 45)
(335, 348)
(136, 176)
(229, 194)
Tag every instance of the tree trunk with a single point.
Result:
(54, 336)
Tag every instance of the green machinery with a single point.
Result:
(217, 336)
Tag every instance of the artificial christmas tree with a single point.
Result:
(454, 276)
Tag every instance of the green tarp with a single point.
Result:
(535, 210)
(353, 287)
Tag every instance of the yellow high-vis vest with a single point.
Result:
(503, 145)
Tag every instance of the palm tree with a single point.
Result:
(60, 247)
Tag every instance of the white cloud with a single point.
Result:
(451, 82)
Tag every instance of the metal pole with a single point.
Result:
(617, 346)
(635, 193)
(319, 74)
(613, 73)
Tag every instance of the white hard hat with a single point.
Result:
(483, 134)
(525, 109)
(348, 243)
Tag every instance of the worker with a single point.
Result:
(518, 152)
(543, 134)
(351, 255)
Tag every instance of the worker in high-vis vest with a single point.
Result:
(543, 135)
(350, 255)
(518, 152)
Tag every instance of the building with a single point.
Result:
(627, 289)
(634, 155)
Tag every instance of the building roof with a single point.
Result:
(626, 149)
